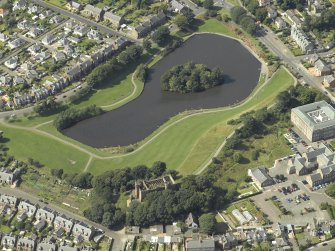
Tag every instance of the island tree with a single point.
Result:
(191, 77)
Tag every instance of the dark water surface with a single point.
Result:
(139, 118)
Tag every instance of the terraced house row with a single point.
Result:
(43, 217)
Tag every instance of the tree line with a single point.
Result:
(239, 15)
(73, 115)
(324, 22)
(254, 123)
(102, 72)
(196, 194)
(191, 77)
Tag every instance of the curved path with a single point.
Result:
(164, 128)
(138, 119)
(148, 142)
(219, 149)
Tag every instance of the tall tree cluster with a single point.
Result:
(239, 15)
(191, 77)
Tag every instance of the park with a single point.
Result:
(186, 142)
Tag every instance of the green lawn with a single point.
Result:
(268, 154)
(5, 229)
(186, 142)
(202, 134)
(300, 236)
(59, 3)
(24, 144)
(110, 95)
(213, 25)
(234, 2)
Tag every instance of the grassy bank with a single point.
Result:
(185, 142)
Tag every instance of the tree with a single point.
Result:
(95, 213)
(191, 77)
(248, 24)
(237, 13)
(57, 172)
(324, 206)
(20, 225)
(161, 35)
(208, 4)
(10, 21)
(47, 106)
(147, 44)
(72, 115)
(237, 157)
(158, 168)
(207, 223)
(255, 154)
(261, 14)
(142, 72)
(188, 13)
(181, 22)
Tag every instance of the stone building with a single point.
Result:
(146, 186)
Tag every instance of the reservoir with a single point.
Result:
(139, 118)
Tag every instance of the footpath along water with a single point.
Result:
(137, 119)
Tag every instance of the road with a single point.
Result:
(30, 42)
(278, 48)
(84, 20)
(322, 246)
(118, 238)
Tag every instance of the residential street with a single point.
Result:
(322, 247)
(118, 238)
(278, 48)
(84, 20)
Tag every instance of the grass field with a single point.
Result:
(186, 142)
(202, 134)
(213, 25)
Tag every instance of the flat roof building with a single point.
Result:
(315, 121)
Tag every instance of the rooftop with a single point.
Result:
(317, 115)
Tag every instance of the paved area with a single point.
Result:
(270, 39)
(289, 201)
(83, 20)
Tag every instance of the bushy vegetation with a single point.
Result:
(239, 15)
(191, 77)
(102, 72)
(72, 115)
(196, 194)
(161, 35)
(142, 72)
(207, 223)
(330, 191)
(48, 106)
(254, 123)
(184, 19)
(323, 22)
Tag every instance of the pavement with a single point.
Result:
(323, 246)
(84, 20)
(274, 44)
(118, 238)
